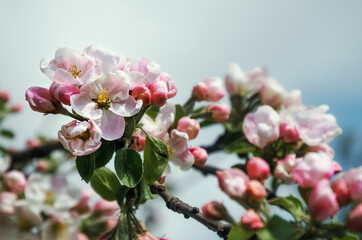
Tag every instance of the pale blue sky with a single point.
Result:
(314, 46)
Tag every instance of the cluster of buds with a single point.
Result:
(12, 188)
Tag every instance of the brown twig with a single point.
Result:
(206, 169)
(180, 207)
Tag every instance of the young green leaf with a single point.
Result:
(292, 205)
(128, 165)
(279, 229)
(121, 195)
(104, 154)
(152, 112)
(105, 183)
(86, 166)
(237, 233)
(155, 159)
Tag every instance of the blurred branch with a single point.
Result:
(36, 152)
(206, 169)
(180, 207)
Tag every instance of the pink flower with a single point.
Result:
(342, 192)
(272, 93)
(159, 93)
(180, 155)
(138, 141)
(107, 101)
(105, 59)
(141, 92)
(63, 92)
(255, 191)
(142, 71)
(315, 126)
(322, 148)
(189, 126)
(40, 100)
(7, 202)
(210, 89)
(354, 180)
(289, 132)
(354, 219)
(284, 168)
(257, 78)
(293, 98)
(236, 80)
(15, 181)
(220, 111)
(262, 126)
(69, 67)
(4, 95)
(200, 155)
(233, 182)
(80, 138)
(322, 201)
(251, 221)
(106, 208)
(214, 210)
(313, 168)
(258, 168)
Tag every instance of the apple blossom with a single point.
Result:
(80, 138)
(159, 93)
(342, 192)
(62, 92)
(40, 100)
(257, 168)
(292, 98)
(200, 155)
(322, 148)
(69, 67)
(313, 168)
(283, 170)
(180, 155)
(107, 101)
(272, 93)
(138, 141)
(322, 202)
(210, 89)
(257, 78)
(142, 71)
(7, 202)
(233, 182)
(214, 210)
(189, 126)
(220, 112)
(251, 220)
(15, 181)
(236, 80)
(354, 180)
(354, 219)
(262, 126)
(289, 132)
(141, 92)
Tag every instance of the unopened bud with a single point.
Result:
(200, 155)
(15, 181)
(255, 191)
(251, 221)
(141, 92)
(258, 168)
(40, 100)
(214, 210)
(220, 111)
(159, 93)
(189, 126)
(63, 92)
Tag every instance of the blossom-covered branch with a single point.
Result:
(179, 206)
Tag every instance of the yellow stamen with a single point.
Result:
(103, 100)
(49, 198)
(84, 135)
(74, 71)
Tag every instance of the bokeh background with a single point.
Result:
(314, 46)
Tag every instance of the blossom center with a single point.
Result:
(74, 71)
(49, 198)
(103, 100)
(84, 135)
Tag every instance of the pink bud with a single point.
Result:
(289, 132)
(233, 182)
(15, 181)
(340, 189)
(236, 80)
(214, 210)
(141, 92)
(31, 143)
(272, 93)
(7, 202)
(40, 100)
(42, 166)
(255, 191)
(354, 219)
(63, 92)
(322, 201)
(200, 155)
(324, 147)
(82, 206)
(159, 93)
(4, 95)
(210, 89)
(138, 141)
(262, 126)
(337, 168)
(354, 180)
(171, 87)
(220, 111)
(251, 220)
(189, 126)
(258, 168)
(107, 208)
(17, 107)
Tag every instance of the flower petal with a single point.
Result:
(111, 125)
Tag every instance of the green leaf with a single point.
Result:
(128, 165)
(180, 112)
(7, 133)
(124, 232)
(86, 166)
(241, 166)
(104, 154)
(155, 159)
(279, 229)
(291, 204)
(206, 123)
(348, 237)
(152, 112)
(105, 183)
(304, 193)
(130, 127)
(237, 233)
(121, 195)
(145, 192)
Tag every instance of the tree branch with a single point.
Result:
(206, 169)
(180, 207)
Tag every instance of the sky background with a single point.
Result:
(314, 46)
